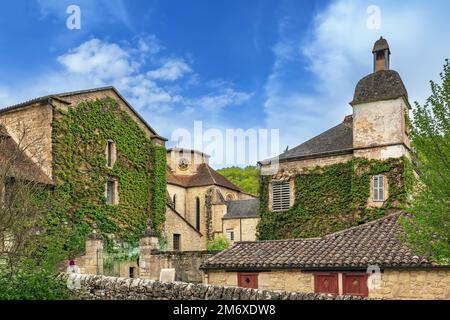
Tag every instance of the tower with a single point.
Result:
(380, 107)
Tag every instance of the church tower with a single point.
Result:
(380, 107)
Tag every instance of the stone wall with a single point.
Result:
(90, 287)
(190, 238)
(36, 120)
(413, 284)
(244, 228)
(186, 264)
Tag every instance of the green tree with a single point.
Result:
(428, 229)
(219, 243)
(246, 178)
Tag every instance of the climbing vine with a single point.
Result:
(80, 136)
(332, 198)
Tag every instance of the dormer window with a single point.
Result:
(110, 153)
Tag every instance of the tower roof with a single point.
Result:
(379, 86)
(380, 45)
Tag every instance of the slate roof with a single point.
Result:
(378, 86)
(374, 243)
(205, 176)
(338, 139)
(242, 209)
(22, 167)
(60, 96)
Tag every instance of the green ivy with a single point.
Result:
(80, 136)
(332, 198)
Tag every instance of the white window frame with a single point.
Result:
(230, 234)
(378, 187)
(281, 195)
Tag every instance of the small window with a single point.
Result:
(230, 234)
(197, 213)
(176, 242)
(111, 192)
(111, 153)
(281, 195)
(378, 188)
(174, 202)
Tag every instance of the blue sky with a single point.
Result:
(290, 65)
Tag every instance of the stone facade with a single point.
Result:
(395, 284)
(243, 228)
(89, 287)
(33, 125)
(190, 238)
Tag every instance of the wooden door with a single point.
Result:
(355, 284)
(326, 283)
(248, 280)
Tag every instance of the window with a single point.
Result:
(174, 202)
(111, 192)
(326, 283)
(378, 188)
(176, 242)
(281, 195)
(230, 234)
(229, 197)
(197, 213)
(110, 154)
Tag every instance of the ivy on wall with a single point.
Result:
(332, 198)
(80, 136)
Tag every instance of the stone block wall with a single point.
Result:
(90, 287)
(186, 264)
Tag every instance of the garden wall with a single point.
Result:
(94, 287)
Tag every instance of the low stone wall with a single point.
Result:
(186, 264)
(94, 287)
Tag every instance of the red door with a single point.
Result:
(326, 283)
(355, 284)
(248, 280)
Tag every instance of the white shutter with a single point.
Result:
(281, 195)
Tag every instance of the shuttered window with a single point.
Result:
(378, 188)
(281, 195)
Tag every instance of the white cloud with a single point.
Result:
(228, 97)
(338, 53)
(172, 69)
(98, 60)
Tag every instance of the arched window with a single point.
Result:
(197, 213)
(174, 201)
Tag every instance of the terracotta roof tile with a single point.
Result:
(374, 243)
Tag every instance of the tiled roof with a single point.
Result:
(378, 86)
(374, 243)
(338, 139)
(22, 167)
(205, 176)
(242, 209)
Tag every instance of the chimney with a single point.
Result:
(381, 55)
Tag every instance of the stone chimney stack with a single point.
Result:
(381, 53)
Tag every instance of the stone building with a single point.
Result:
(89, 162)
(338, 263)
(340, 194)
(202, 204)
(373, 136)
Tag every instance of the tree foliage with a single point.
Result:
(219, 243)
(428, 230)
(246, 178)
